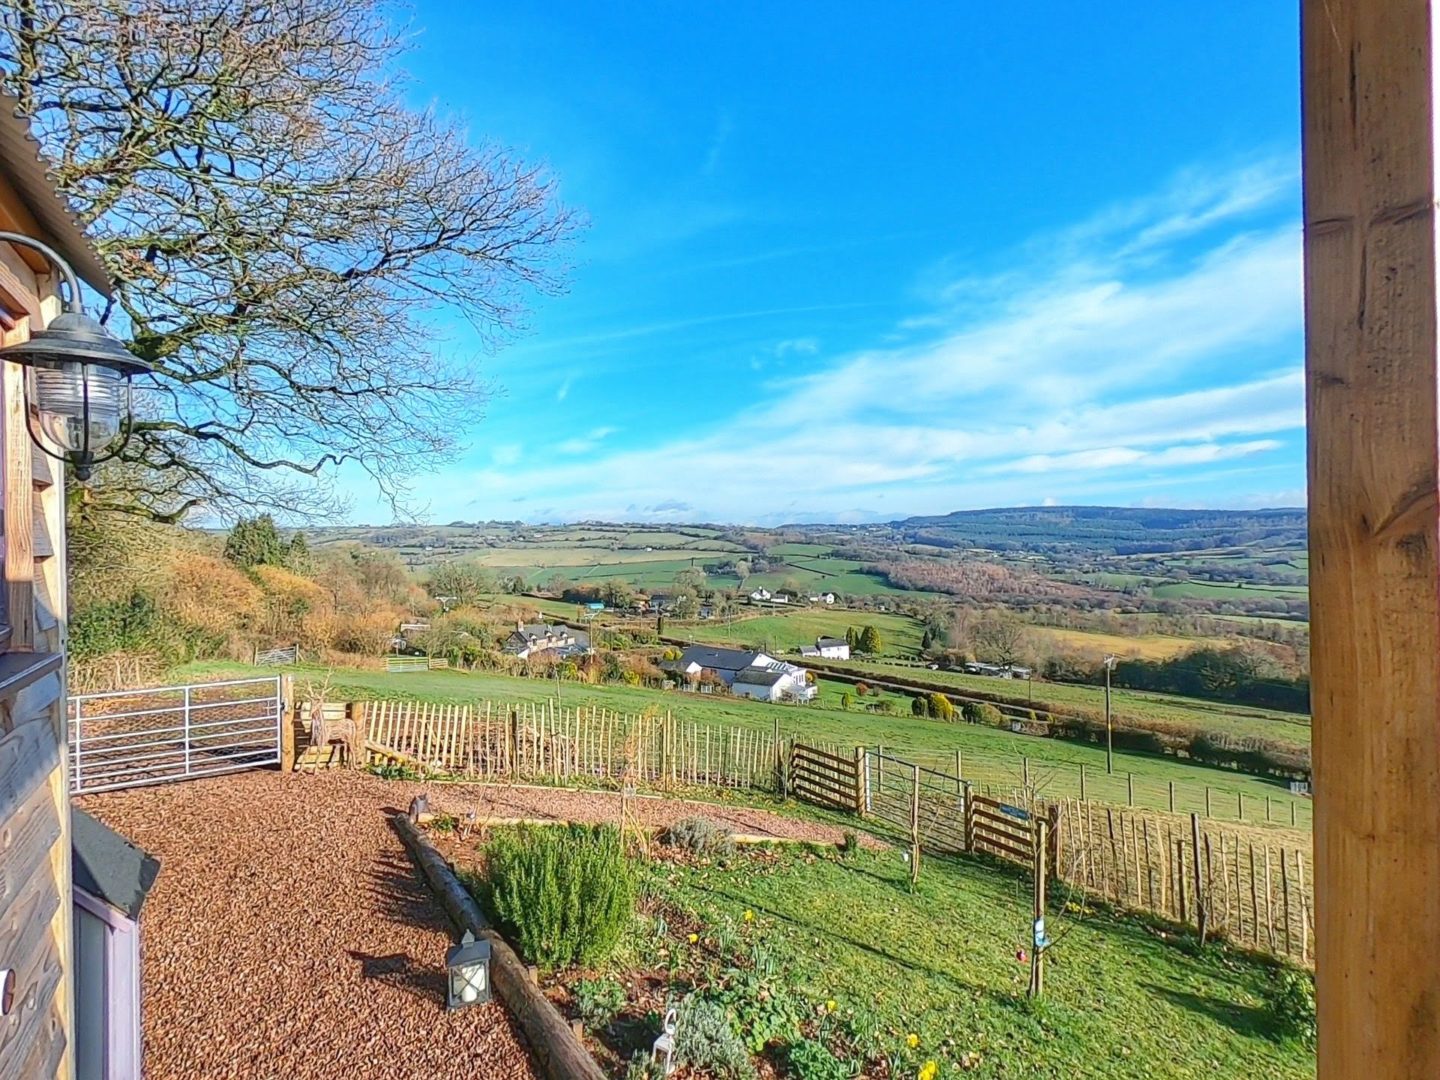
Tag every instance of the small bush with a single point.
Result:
(941, 707)
(706, 1040)
(846, 700)
(700, 835)
(919, 706)
(564, 895)
(850, 843)
(598, 1001)
(812, 1060)
(1290, 1005)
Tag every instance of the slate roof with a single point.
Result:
(829, 642)
(109, 867)
(720, 659)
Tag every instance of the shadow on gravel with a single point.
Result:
(425, 980)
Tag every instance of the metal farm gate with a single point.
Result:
(128, 738)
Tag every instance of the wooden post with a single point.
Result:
(1025, 773)
(1129, 789)
(288, 713)
(1082, 781)
(914, 824)
(959, 768)
(1207, 800)
(1201, 901)
(860, 781)
(1372, 330)
(969, 817)
(1172, 796)
(1037, 944)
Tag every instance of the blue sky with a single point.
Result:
(856, 261)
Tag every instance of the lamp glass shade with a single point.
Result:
(468, 969)
(66, 394)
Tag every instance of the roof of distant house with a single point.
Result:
(829, 642)
(809, 650)
(720, 659)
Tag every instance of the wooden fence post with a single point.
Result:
(1207, 800)
(1201, 901)
(1129, 789)
(1037, 943)
(1172, 796)
(1082, 781)
(360, 717)
(969, 812)
(914, 824)
(288, 712)
(861, 781)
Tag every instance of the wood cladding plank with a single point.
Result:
(17, 506)
(1369, 136)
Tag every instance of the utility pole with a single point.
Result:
(1109, 733)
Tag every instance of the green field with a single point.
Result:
(1239, 720)
(939, 961)
(990, 756)
(787, 631)
(1213, 590)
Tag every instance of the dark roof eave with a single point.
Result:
(109, 867)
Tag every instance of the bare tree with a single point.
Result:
(279, 225)
(999, 638)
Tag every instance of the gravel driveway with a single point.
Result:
(289, 937)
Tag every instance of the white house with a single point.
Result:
(821, 598)
(748, 674)
(832, 648)
(760, 594)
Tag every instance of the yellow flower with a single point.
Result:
(912, 1040)
(694, 938)
(928, 1071)
(749, 915)
(830, 1005)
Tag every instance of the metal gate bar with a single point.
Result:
(128, 738)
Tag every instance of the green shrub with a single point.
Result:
(812, 1060)
(564, 895)
(706, 1040)
(941, 707)
(1290, 1005)
(919, 706)
(850, 843)
(701, 836)
(598, 1001)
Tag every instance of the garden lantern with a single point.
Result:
(81, 378)
(467, 967)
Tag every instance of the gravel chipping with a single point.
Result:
(289, 936)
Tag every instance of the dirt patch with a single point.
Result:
(290, 936)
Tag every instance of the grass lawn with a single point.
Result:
(990, 756)
(1123, 998)
(1206, 590)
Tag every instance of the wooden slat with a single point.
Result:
(16, 514)
(1372, 348)
(40, 529)
(846, 772)
(987, 840)
(809, 751)
(840, 783)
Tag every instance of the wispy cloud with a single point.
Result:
(584, 444)
(1163, 344)
(563, 391)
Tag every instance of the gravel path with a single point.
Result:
(288, 936)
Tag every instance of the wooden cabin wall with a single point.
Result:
(35, 882)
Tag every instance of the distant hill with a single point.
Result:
(1115, 530)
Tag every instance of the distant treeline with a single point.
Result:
(1234, 674)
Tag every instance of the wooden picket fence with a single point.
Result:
(552, 741)
(1245, 885)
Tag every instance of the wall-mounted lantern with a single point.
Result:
(467, 967)
(81, 378)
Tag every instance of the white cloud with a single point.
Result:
(1163, 343)
(585, 443)
(564, 390)
(507, 454)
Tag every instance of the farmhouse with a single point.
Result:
(821, 598)
(747, 674)
(760, 595)
(832, 648)
(532, 639)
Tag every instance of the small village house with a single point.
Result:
(533, 639)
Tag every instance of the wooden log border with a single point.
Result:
(558, 1050)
